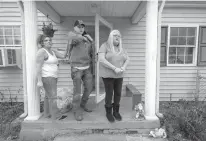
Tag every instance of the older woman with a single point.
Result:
(47, 70)
(113, 62)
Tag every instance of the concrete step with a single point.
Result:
(93, 123)
(31, 130)
(103, 137)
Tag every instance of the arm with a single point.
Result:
(75, 38)
(62, 55)
(88, 37)
(108, 64)
(126, 62)
(102, 59)
(39, 64)
(105, 62)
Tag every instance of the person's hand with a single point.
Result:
(123, 69)
(117, 70)
(74, 42)
(88, 37)
(85, 39)
(39, 84)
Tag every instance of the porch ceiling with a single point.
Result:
(89, 8)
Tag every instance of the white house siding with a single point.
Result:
(180, 82)
(10, 77)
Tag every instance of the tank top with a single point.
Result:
(50, 66)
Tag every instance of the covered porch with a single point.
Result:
(58, 12)
(93, 123)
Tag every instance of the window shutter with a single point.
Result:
(202, 47)
(163, 55)
(19, 58)
(1, 58)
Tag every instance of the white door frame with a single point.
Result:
(99, 19)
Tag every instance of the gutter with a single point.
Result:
(21, 7)
(158, 114)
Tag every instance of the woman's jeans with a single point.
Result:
(79, 76)
(112, 85)
(50, 99)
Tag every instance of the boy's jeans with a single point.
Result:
(79, 76)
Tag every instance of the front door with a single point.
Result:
(102, 30)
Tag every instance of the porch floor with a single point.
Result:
(93, 122)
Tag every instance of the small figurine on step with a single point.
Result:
(158, 133)
(139, 112)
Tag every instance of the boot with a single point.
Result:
(116, 113)
(109, 114)
(55, 112)
(78, 115)
(78, 112)
(83, 106)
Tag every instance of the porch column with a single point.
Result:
(30, 15)
(151, 57)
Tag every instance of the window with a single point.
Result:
(10, 45)
(182, 46)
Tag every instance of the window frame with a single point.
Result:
(195, 53)
(4, 47)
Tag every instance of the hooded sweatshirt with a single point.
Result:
(80, 50)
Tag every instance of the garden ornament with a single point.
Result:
(139, 112)
(158, 133)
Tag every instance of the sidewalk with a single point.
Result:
(105, 137)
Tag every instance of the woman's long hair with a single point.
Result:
(111, 44)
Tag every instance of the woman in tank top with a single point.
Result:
(47, 74)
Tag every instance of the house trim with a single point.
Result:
(139, 12)
(47, 10)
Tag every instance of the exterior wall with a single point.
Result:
(175, 81)
(181, 81)
(10, 77)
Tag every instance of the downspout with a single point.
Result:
(158, 114)
(21, 7)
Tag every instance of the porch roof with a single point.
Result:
(134, 10)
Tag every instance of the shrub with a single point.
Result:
(185, 119)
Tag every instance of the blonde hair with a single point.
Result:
(110, 41)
